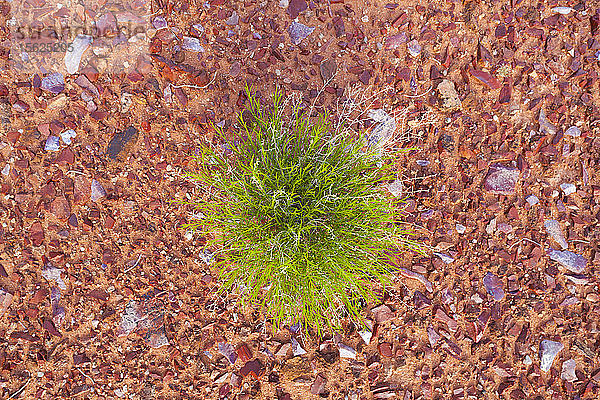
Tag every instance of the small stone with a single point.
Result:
(52, 143)
(67, 135)
(52, 273)
(382, 314)
(253, 368)
(235, 69)
(75, 52)
(97, 191)
(20, 106)
(297, 350)
(546, 126)
(563, 10)
(449, 95)
(383, 131)
(197, 30)
(192, 44)
(414, 48)
(549, 349)
(385, 349)
(328, 69)
(532, 200)
(433, 336)
(573, 131)
(233, 20)
(571, 261)
(365, 76)
(346, 351)
(553, 228)
(395, 41)
(493, 285)
(461, 229)
(228, 351)
(159, 23)
(295, 7)
(60, 207)
(121, 141)
(318, 386)
(568, 188)
(298, 32)
(444, 257)
(396, 188)
(106, 25)
(6, 170)
(568, 370)
(53, 83)
(6, 299)
(367, 334)
(501, 179)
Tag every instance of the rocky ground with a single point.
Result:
(103, 296)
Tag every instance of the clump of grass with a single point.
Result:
(297, 212)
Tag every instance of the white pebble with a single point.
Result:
(573, 131)
(532, 199)
(568, 188)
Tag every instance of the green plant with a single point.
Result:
(298, 214)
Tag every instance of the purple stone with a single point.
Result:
(414, 48)
(549, 349)
(159, 23)
(493, 285)
(197, 30)
(501, 179)
(394, 41)
(228, 351)
(98, 191)
(295, 7)
(298, 32)
(553, 228)
(53, 83)
(571, 261)
(192, 44)
(52, 143)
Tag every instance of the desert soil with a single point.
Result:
(104, 296)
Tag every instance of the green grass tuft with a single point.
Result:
(303, 227)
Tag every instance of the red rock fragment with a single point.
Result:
(500, 31)
(365, 76)
(83, 189)
(505, 94)
(98, 294)
(385, 349)
(65, 156)
(486, 78)
(295, 7)
(13, 136)
(382, 313)
(36, 234)
(60, 207)
(244, 353)
(440, 315)
(253, 368)
(318, 386)
(6, 299)
(49, 326)
(24, 336)
(40, 296)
